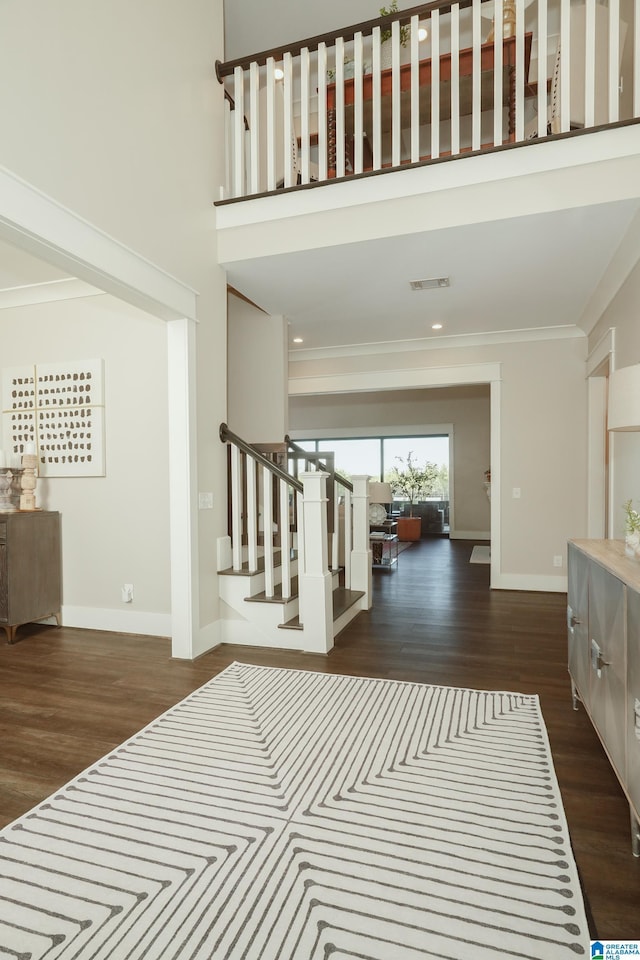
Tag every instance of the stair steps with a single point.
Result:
(343, 600)
(244, 590)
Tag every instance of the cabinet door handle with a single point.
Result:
(601, 662)
(572, 620)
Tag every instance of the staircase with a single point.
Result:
(281, 585)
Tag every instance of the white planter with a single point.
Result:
(632, 545)
(386, 55)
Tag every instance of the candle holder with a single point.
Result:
(6, 480)
(28, 483)
(16, 486)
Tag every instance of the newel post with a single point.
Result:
(316, 593)
(361, 553)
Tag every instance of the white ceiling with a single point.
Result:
(19, 269)
(524, 273)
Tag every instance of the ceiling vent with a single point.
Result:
(431, 284)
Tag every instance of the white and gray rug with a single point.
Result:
(480, 554)
(304, 816)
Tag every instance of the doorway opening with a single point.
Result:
(386, 459)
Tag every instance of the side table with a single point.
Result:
(384, 549)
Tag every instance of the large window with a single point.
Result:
(375, 456)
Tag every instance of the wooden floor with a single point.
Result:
(69, 696)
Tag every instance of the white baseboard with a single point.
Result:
(525, 581)
(118, 621)
(470, 535)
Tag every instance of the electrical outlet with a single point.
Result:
(557, 561)
(516, 493)
(205, 501)
(127, 593)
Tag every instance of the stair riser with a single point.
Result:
(255, 582)
(235, 590)
(345, 619)
(267, 614)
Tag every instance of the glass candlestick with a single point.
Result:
(6, 504)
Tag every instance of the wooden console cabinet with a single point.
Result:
(603, 621)
(30, 568)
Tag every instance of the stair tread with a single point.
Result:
(342, 600)
(246, 572)
(277, 594)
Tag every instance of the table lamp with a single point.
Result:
(379, 494)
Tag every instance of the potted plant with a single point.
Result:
(632, 530)
(412, 482)
(385, 34)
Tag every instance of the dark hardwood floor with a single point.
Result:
(69, 696)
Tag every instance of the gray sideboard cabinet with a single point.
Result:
(30, 568)
(603, 623)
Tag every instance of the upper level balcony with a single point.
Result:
(432, 83)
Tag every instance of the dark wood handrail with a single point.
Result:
(338, 476)
(366, 27)
(228, 436)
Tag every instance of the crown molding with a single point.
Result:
(47, 292)
(565, 332)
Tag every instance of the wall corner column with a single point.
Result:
(181, 377)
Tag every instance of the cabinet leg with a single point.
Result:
(10, 631)
(575, 699)
(635, 835)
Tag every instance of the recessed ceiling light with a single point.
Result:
(278, 73)
(298, 340)
(431, 284)
(436, 326)
(423, 33)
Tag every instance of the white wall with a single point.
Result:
(466, 408)
(624, 451)
(542, 441)
(114, 110)
(257, 373)
(114, 528)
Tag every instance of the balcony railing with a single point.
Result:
(435, 81)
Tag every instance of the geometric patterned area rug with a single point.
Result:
(304, 816)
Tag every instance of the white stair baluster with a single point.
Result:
(476, 99)
(252, 515)
(236, 507)
(435, 84)
(254, 128)
(455, 78)
(358, 109)
(285, 539)
(267, 530)
(415, 90)
(376, 146)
